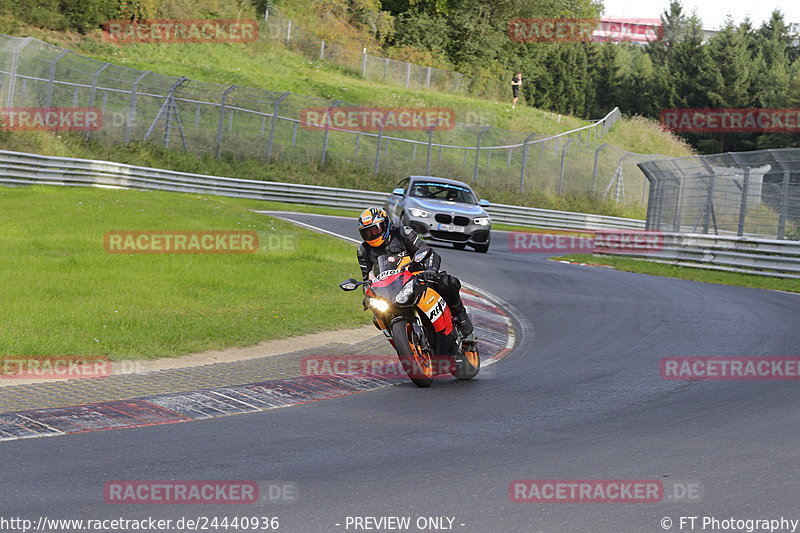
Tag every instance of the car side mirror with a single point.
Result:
(484, 203)
(399, 191)
(349, 285)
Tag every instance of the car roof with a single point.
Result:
(442, 180)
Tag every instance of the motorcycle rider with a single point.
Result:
(381, 236)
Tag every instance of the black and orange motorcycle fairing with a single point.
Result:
(416, 320)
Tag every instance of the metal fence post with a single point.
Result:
(132, 106)
(12, 85)
(478, 152)
(619, 193)
(222, 105)
(322, 50)
(364, 64)
(274, 120)
(784, 205)
(408, 74)
(52, 80)
(171, 106)
(93, 90)
(563, 160)
(524, 160)
(327, 130)
(743, 206)
(709, 207)
(288, 32)
(385, 68)
(428, 78)
(676, 221)
(594, 171)
(651, 216)
(430, 146)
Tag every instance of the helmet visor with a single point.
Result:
(373, 232)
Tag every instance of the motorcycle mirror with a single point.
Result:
(348, 285)
(422, 255)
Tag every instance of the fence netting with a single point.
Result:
(216, 120)
(754, 194)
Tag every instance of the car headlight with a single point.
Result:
(379, 305)
(419, 213)
(482, 221)
(405, 294)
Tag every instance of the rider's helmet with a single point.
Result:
(374, 226)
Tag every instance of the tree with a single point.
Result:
(674, 28)
(731, 55)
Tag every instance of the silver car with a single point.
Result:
(441, 209)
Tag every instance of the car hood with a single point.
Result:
(442, 206)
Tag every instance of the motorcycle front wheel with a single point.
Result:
(416, 362)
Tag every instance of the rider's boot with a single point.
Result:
(464, 325)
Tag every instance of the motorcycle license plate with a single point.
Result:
(451, 228)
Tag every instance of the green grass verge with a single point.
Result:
(695, 274)
(63, 294)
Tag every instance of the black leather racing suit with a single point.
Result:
(404, 241)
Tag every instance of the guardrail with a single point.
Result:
(767, 257)
(17, 168)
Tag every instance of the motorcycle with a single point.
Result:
(416, 320)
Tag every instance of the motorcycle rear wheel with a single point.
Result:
(470, 366)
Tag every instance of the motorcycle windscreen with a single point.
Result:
(388, 264)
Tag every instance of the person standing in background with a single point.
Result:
(516, 83)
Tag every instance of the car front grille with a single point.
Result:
(458, 220)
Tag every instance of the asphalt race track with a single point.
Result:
(581, 398)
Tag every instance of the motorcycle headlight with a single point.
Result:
(379, 305)
(419, 213)
(405, 294)
(482, 221)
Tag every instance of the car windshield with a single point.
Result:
(442, 191)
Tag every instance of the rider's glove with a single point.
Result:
(429, 276)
